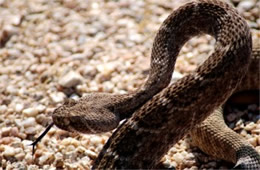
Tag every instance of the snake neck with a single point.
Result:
(126, 104)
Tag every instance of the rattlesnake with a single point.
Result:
(160, 114)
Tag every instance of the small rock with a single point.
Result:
(45, 157)
(78, 56)
(3, 109)
(14, 132)
(9, 151)
(12, 89)
(258, 140)
(6, 140)
(91, 154)
(255, 131)
(245, 5)
(40, 108)
(28, 122)
(28, 158)
(250, 126)
(58, 97)
(19, 107)
(243, 133)
(71, 79)
(176, 76)
(70, 148)
(136, 38)
(106, 69)
(178, 157)
(253, 141)
(5, 131)
(30, 112)
(30, 130)
(95, 139)
(20, 156)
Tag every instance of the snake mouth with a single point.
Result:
(74, 124)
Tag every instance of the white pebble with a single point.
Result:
(12, 90)
(178, 158)
(176, 76)
(106, 69)
(3, 109)
(71, 79)
(256, 131)
(85, 160)
(19, 107)
(30, 112)
(245, 5)
(253, 141)
(136, 38)
(28, 158)
(70, 148)
(57, 97)
(250, 126)
(44, 158)
(28, 122)
(95, 139)
(40, 108)
(91, 154)
(20, 156)
(30, 130)
(9, 151)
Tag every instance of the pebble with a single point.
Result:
(253, 141)
(45, 157)
(58, 97)
(71, 79)
(6, 140)
(10, 131)
(91, 154)
(30, 130)
(28, 158)
(40, 108)
(250, 126)
(95, 139)
(9, 151)
(30, 112)
(178, 158)
(20, 156)
(3, 109)
(106, 69)
(176, 76)
(245, 5)
(28, 122)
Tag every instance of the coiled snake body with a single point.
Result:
(161, 114)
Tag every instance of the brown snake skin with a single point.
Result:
(161, 114)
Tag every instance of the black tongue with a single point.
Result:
(40, 137)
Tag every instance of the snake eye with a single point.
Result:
(66, 121)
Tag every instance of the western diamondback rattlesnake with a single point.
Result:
(160, 115)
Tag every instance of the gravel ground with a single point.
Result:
(51, 50)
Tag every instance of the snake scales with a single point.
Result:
(160, 114)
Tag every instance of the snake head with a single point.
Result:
(90, 114)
